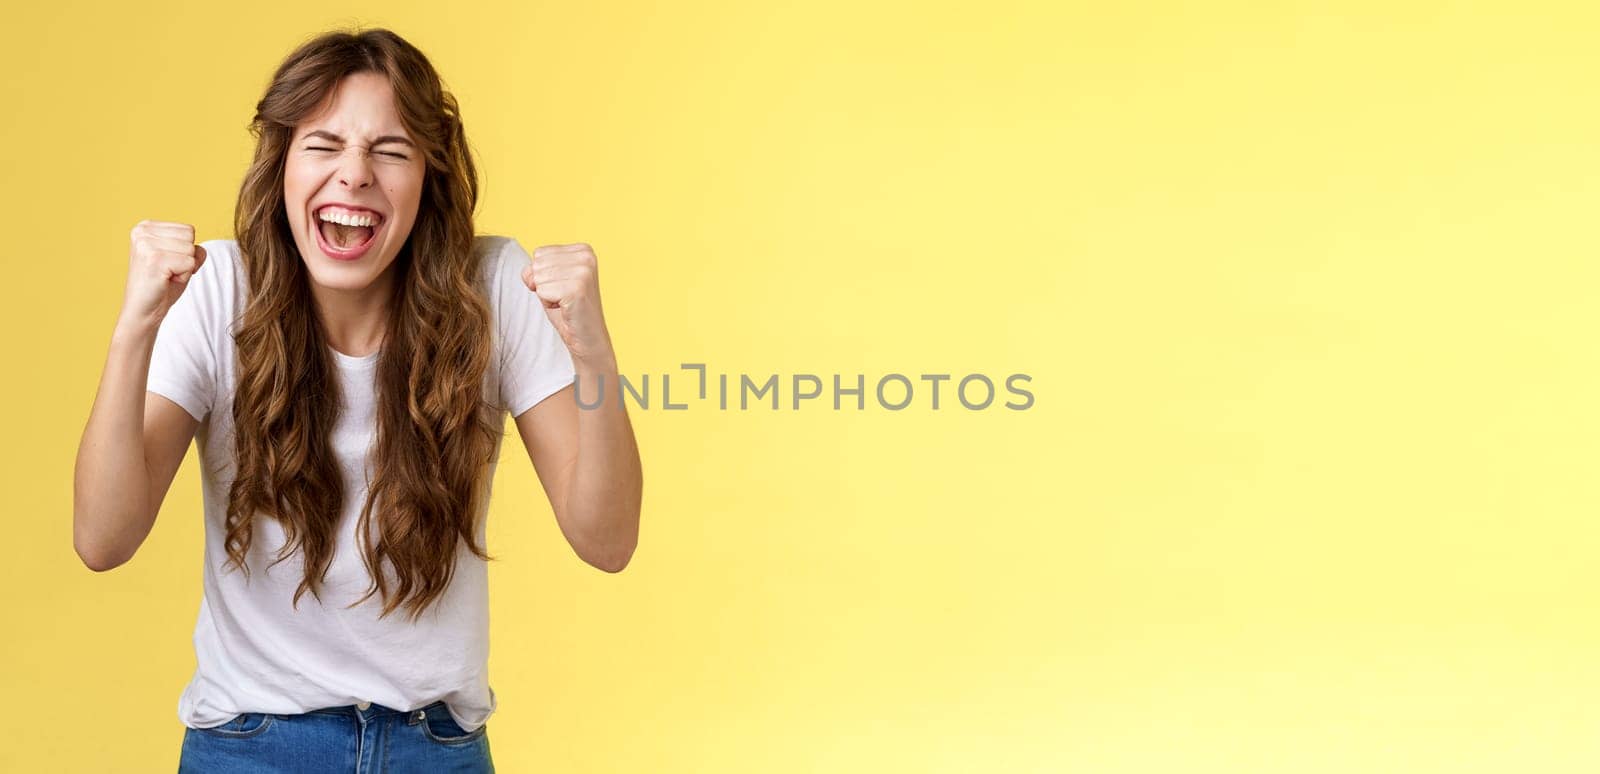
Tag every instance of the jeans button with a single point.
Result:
(363, 706)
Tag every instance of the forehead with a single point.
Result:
(361, 105)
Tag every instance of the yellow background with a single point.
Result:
(1305, 292)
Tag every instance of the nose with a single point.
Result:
(354, 170)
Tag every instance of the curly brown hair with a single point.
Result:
(435, 432)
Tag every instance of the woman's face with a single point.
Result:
(356, 156)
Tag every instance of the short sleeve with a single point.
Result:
(534, 361)
(183, 362)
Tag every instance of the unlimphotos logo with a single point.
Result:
(893, 391)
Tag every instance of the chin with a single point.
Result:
(334, 276)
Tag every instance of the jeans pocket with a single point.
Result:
(438, 725)
(242, 725)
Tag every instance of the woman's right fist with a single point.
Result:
(161, 258)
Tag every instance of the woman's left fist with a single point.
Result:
(567, 280)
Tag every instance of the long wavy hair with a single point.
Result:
(435, 433)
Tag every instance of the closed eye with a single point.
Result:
(390, 154)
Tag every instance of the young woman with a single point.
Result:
(345, 365)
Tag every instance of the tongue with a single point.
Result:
(345, 236)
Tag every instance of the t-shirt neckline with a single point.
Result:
(351, 361)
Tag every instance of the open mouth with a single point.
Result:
(347, 233)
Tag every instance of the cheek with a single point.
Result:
(301, 178)
(405, 201)
(403, 187)
(295, 197)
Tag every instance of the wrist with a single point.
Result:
(134, 328)
(601, 362)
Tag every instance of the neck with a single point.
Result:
(355, 320)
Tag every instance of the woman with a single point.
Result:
(344, 365)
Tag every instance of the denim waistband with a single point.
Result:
(373, 710)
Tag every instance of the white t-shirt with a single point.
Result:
(253, 651)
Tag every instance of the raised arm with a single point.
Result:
(133, 444)
(586, 458)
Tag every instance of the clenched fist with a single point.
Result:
(161, 258)
(566, 278)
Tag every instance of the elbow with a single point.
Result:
(613, 552)
(614, 558)
(614, 562)
(612, 549)
(101, 566)
(93, 550)
(97, 558)
(98, 555)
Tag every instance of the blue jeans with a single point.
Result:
(338, 740)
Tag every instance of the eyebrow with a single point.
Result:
(376, 141)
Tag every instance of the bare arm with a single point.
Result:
(586, 459)
(588, 462)
(130, 451)
(132, 446)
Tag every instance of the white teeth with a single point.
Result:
(346, 218)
